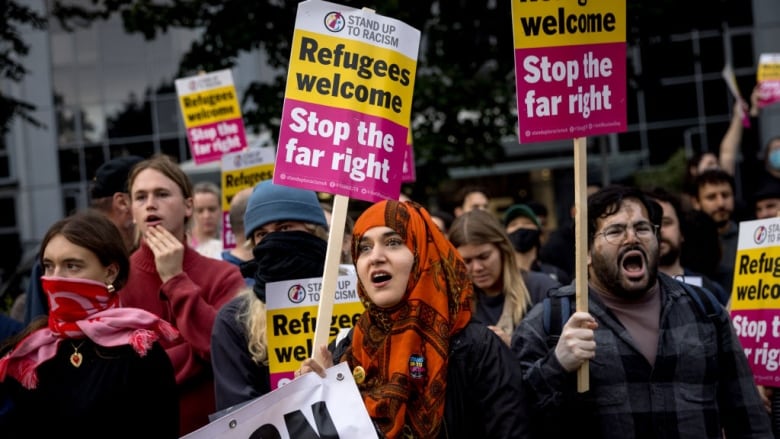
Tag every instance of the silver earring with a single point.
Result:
(110, 288)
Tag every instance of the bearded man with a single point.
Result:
(671, 246)
(659, 366)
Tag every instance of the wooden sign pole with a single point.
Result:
(581, 242)
(331, 274)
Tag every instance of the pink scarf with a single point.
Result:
(82, 308)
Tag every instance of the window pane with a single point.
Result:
(168, 117)
(87, 45)
(66, 125)
(5, 169)
(93, 158)
(93, 123)
(88, 90)
(62, 52)
(129, 119)
(64, 83)
(142, 149)
(73, 200)
(124, 49)
(69, 166)
(176, 148)
(122, 82)
(7, 204)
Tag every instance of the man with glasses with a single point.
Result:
(659, 365)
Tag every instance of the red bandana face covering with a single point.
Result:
(81, 308)
(71, 300)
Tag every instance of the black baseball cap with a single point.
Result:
(111, 176)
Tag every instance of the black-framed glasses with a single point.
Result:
(617, 233)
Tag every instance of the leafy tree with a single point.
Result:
(12, 49)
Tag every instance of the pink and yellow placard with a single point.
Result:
(292, 319)
(212, 115)
(241, 170)
(755, 297)
(768, 76)
(347, 103)
(570, 68)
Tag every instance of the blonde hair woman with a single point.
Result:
(501, 297)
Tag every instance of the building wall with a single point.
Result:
(32, 177)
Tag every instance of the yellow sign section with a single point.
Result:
(756, 279)
(209, 106)
(567, 23)
(237, 180)
(291, 332)
(768, 67)
(352, 75)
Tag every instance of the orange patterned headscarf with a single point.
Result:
(404, 349)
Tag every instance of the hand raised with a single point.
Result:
(577, 343)
(168, 252)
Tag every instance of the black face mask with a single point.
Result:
(285, 256)
(523, 240)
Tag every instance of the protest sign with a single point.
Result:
(347, 102)
(212, 115)
(755, 297)
(570, 68)
(768, 76)
(241, 170)
(308, 407)
(409, 172)
(292, 319)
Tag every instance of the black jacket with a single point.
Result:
(484, 389)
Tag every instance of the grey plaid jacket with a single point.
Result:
(699, 387)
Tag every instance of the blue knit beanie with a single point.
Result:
(271, 202)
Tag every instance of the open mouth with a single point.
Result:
(380, 277)
(633, 263)
(153, 220)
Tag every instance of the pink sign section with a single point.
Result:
(339, 151)
(279, 379)
(759, 334)
(229, 239)
(570, 91)
(209, 142)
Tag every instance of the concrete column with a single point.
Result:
(33, 151)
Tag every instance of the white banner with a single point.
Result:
(308, 407)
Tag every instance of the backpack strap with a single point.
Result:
(705, 300)
(557, 308)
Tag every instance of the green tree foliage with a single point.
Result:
(12, 50)
(669, 175)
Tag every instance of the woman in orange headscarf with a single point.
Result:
(422, 369)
